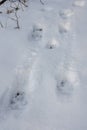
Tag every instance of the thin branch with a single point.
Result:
(41, 2)
(23, 3)
(16, 20)
(2, 2)
(1, 24)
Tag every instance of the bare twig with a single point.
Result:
(16, 20)
(1, 24)
(41, 2)
(23, 3)
(14, 6)
(2, 2)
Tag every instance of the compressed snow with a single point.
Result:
(66, 13)
(64, 27)
(79, 3)
(52, 44)
(37, 32)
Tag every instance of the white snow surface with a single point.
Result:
(43, 67)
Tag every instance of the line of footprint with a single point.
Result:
(64, 28)
(68, 70)
(64, 25)
(17, 98)
(37, 36)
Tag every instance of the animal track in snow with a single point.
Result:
(17, 100)
(52, 44)
(64, 86)
(72, 77)
(66, 13)
(17, 97)
(18, 93)
(64, 26)
(79, 3)
(37, 32)
(66, 82)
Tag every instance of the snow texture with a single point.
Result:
(43, 66)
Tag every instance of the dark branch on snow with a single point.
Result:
(42, 2)
(2, 2)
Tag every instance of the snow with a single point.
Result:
(66, 13)
(53, 43)
(79, 3)
(64, 27)
(43, 67)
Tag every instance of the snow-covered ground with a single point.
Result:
(43, 67)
